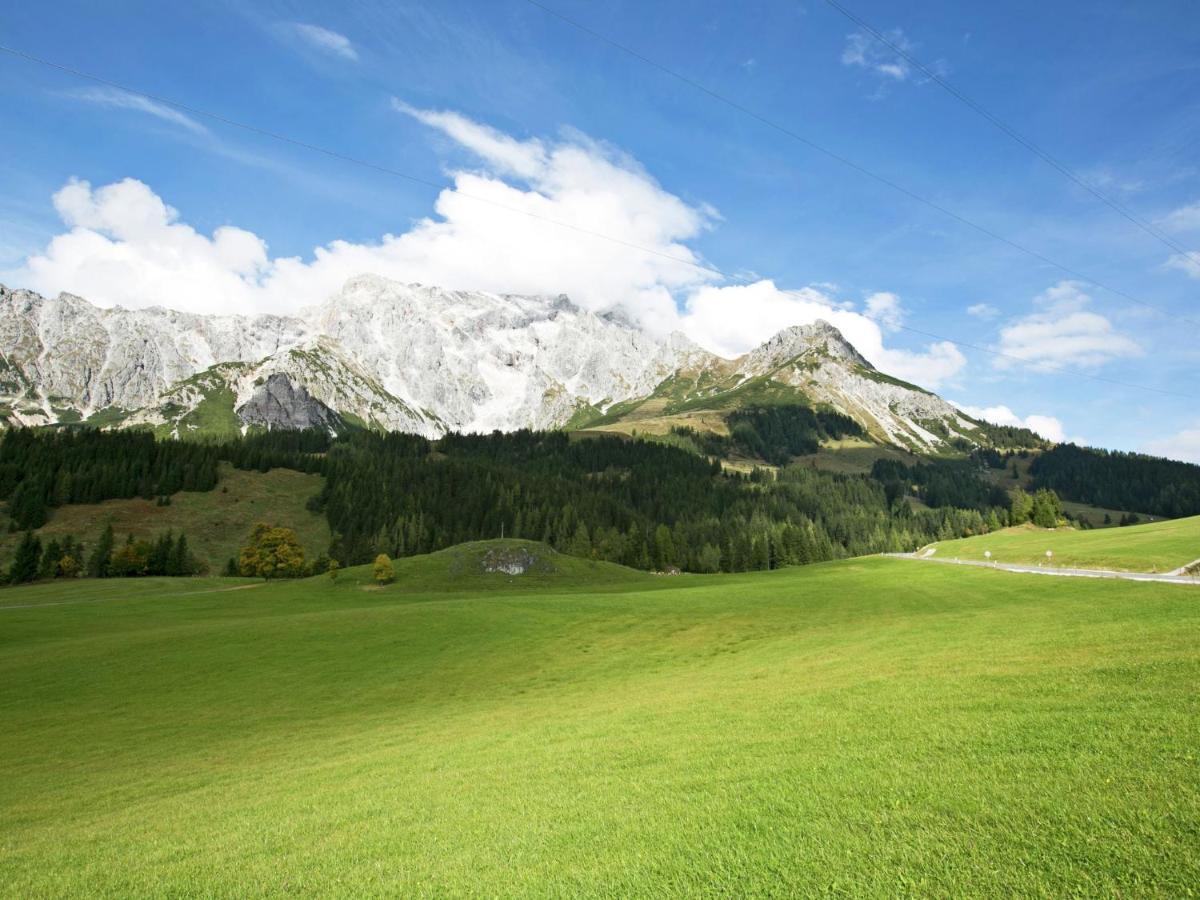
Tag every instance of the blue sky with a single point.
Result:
(503, 102)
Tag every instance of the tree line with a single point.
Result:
(43, 469)
(774, 434)
(65, 557)
(638, 502)
(1129, 481)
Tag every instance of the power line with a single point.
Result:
(862, 170)
(704, 267)
(1011, 132)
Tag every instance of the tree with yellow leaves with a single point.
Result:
(383, 570)
(271, 552)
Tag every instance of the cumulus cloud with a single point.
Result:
(126, 246)
(496, 228)
(1048, 427)
(324, 40)
(885, 308)
(982, 311)
(1062, 333)
(732, 319)
(115, 98)
(1184, 445)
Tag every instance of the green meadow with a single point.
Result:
(861, 728)
(1154, 547)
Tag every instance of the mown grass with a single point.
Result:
(864, 728)
(216, 522)
(1155, 547)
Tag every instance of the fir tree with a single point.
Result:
(99, 561)
(26, 563)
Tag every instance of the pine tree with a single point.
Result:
(99, 561)
(581, 544)
(26, 563)
(664, 548)
(1022, 507)
(179, 562)
(50, 558)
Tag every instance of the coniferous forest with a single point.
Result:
(1162, 487)
(641, 503)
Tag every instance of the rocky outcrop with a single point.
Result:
(277, 403)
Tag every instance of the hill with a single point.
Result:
(1154, 547)
(502, 565)
(866, 727)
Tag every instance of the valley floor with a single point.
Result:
(863, 728)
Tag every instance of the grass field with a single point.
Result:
(864, 728)
(1155, 547)
(216, 522)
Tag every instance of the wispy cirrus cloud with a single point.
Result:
(982, 311)
(323, 39)
(867, 52)
(115, 98)
(1187, 263)
(1185, 218)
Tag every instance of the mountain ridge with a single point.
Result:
(422, 359)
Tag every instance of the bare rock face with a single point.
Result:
(513, 561)
(418, 359)
(277, 403)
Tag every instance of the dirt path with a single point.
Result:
(1175, 577)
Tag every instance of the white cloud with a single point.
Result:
(885, 308)
(982, 311)
(126, 246)
(865, 51)
(1186, 218)
(1184, 445)
(1048, 427)
(733, 319)
(1063, 333)
(526, 159)
(1187, 263)
(489, 231)
(324, 40)
(118, 99)
(1106, 179)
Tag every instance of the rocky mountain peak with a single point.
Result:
(417, 358)
(813, 342)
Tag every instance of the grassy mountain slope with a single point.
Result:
(1154, 547)
(868, 728)
(216, 522)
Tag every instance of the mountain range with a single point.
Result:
(426, 360)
